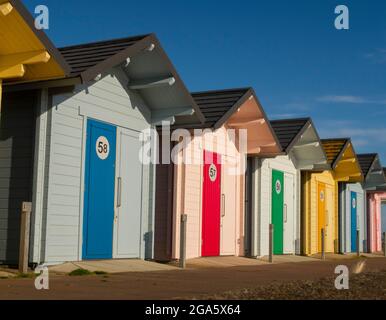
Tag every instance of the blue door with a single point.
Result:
(98, 216)
(353, 222)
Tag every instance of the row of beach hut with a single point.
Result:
(72, 136)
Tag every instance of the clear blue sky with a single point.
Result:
(289, 51)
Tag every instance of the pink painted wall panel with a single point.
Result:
(374, 220)
(189, 190)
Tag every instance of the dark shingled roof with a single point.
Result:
(215, 104)
(85, 56)
(365, 161)
(287, 130)
(333, 148)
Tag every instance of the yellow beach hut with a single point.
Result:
(26, 54)
(320, 198)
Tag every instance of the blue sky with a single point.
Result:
(289, 51)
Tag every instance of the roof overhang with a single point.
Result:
(375, 177)
(306, 150)
(151, 74)
(26, 54)
(346, 166)
(248, 114)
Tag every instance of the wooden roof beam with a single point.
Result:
(307, 145)
(307, 163)
(10, 72)
(347, 177)
(376, 172)
(27, 58)
(169, 114)
(6, 8)
(260, 121)
(14, 65)
(348, 160)
(260, 149)
(151, 83)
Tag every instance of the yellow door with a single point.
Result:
(321, 213)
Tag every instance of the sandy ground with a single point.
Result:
(195, 283)
(364, 286)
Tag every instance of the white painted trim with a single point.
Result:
(114, 119)
(142, 243)
(256, 207)
(39, 175)
(295, 209)
(153, 193)
(116, 176)
(82, 182)
(200, 217)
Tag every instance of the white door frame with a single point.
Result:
(289, 213)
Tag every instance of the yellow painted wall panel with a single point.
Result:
(313, 218)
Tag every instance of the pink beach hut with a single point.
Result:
(209, 186)
(375, 200)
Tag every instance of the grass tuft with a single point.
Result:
(25, 275)
(85, 272)
(80, 272)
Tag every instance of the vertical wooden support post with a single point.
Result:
(24, 236)
(358, 244)
(384, 244)
(184, 219)
(323, 239)
(271, 231)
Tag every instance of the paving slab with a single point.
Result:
(289, 259)
(222, 262)
(112, 266)
(6, 274)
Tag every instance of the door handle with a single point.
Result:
(223, 205)
(327, 218)
(119, 193)
(285, 213)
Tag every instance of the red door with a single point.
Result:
(211, 205)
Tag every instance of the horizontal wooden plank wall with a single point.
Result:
(16, 159)
(282, 163)
(105, 100)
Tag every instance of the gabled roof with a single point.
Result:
(218, 105)
(343, 159)
(288, 130)
(239, 109)
(299, 139)
(366, 161)
(83, 57)
(149, 71)
(372, 170)
(334, 149)
(26, 53)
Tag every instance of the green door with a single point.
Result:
(277, 210)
